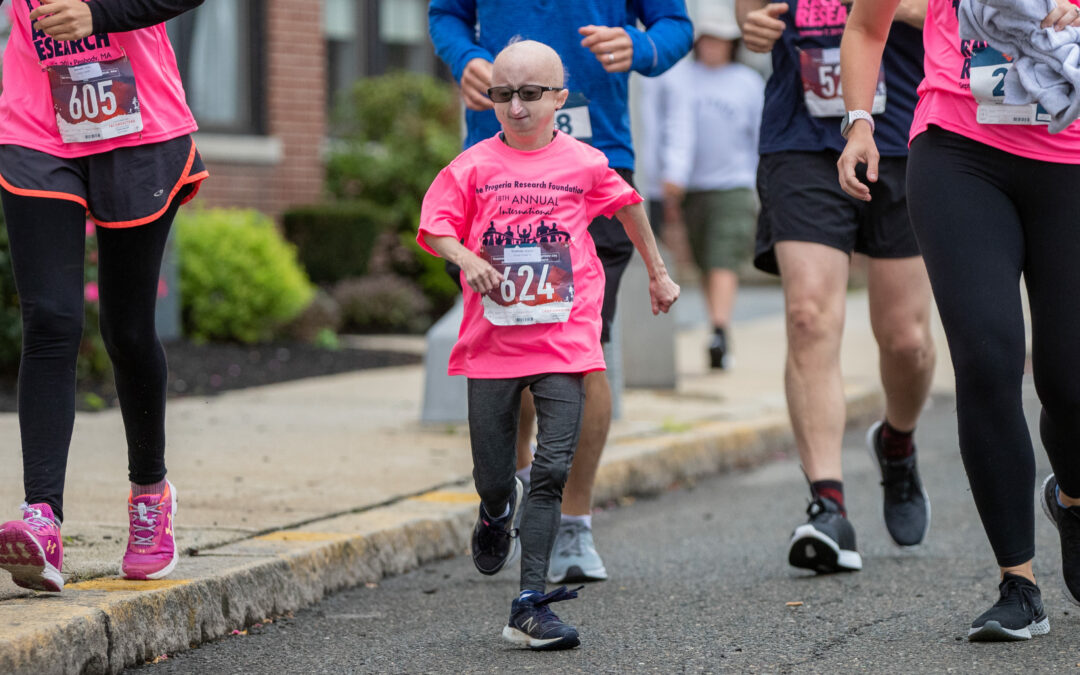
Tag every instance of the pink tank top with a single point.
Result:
(945, 98)
(108, 90)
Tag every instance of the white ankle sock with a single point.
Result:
(585, 520)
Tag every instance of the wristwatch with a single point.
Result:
(849, 119)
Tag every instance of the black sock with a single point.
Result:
(896, 444)
(829, 489)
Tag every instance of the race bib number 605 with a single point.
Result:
(95, 101)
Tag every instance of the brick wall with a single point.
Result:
(295, 98)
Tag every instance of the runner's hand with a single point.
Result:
(63, 19)
(860, 149)
(611, 46)
(479, 274)
(474, 84)
(663, 292)
(1061, 17)
(763, 27)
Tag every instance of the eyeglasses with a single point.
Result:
(528, 92)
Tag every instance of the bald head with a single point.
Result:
(529, 62)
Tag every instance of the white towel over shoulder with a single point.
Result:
(1047, 62)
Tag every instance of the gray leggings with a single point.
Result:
(493, 423)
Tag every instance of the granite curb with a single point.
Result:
(104, 625)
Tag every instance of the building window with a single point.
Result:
(372, 37)
(221, 63)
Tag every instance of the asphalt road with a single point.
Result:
(700, 583)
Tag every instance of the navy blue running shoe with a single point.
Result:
(534, 625)
(1067, 522)
(1017, 615)
(494, 540)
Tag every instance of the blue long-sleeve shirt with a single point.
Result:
(466, 29)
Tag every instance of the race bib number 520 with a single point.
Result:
(537, 284)
(821, 83)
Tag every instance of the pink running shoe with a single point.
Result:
(151, 549)
(31, 549)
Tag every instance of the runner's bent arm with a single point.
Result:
(864, 39)
(667, 37)
(663, 292)
(75, 19)
(452, 27)
(760, 23)
(479, 274)
(912, 12)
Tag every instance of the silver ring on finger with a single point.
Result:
(610, 57)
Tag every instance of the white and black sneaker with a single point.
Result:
(494, 540)
(1017, 615)
(826, 543)
(906, 506)
(1067, 522)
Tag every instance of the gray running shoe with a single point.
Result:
(826, 543)
(906, 506)
(574, 557)
(1067, 522)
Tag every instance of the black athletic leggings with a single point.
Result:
(48, 241)
(983, 217)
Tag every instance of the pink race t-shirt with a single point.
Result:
(511, 204)
(945, 97)
(27, 114)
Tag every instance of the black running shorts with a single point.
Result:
(801, 200)
(124, 187)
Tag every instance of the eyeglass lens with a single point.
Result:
(529, 92)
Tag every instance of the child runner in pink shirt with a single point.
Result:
(992, 199)
(513, 212)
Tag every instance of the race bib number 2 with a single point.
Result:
(821, 83)
(537, 284)
(988, 70)
(95, 101)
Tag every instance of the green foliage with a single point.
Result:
(383, 304)
(239, 280)
(334, 241)
(396, 132)
(432, 277)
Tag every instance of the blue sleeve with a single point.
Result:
(452, 27)
(668, 35)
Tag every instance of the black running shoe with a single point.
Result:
(826, 543)
(1017, 615)
(494, 540)
(906, 506)
(534, 625)
(1067, 521)
(718, 350)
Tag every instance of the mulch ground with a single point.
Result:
(209, 369)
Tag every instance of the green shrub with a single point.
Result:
(334, 241)
(394, 134)
(382, 303)
(239, 280)
(320, 317)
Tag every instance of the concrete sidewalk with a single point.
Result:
(291, 491)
